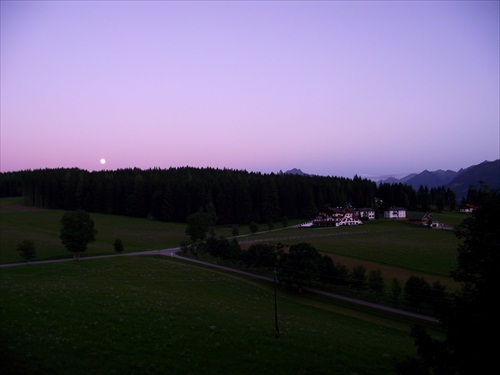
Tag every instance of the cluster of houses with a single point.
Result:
(467, 208)
(340, 216)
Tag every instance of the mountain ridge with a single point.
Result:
(487, 172)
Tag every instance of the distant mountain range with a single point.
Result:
(459, 182)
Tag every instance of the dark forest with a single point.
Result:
(237, 197)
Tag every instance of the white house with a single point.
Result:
(395, 213)
(366, 213)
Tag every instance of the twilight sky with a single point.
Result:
(333, 88)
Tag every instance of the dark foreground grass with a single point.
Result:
(158, 315)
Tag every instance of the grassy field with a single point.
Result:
(159, 315)
(398, 244)
(397, 248)
(43, 226)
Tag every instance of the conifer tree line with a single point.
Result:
(236, 197)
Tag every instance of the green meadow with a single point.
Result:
(397, 248)
(382, 243)
(43, 226)
(161, 315)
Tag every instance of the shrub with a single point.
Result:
(27, 250)
(118, 245)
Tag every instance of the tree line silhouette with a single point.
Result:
(236, 196)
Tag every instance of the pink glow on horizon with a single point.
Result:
(332, 88)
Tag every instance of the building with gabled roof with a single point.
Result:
(336, 216)
(467, 208)
(421, 219)
(395, 213)
(366, 213)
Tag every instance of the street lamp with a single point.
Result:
(277, 333)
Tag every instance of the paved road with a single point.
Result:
(172, 252)
(168, 252)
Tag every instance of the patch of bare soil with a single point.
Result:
(389, 272)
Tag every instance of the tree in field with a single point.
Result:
(77, 231)
(358, 277)
(198, 225)
(396, 290)
(417, 292)
(221, 248)
(341, 274)
(438, 297)
(260, 255)
(27, 250)
(470, 315)
(376, 282)
(253, 227)
(118, 245)
(284, 221)
(301, 264)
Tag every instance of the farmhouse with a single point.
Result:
(336, 217)
(467, 208)
(395, 213)
(421, 219)
(365, 213)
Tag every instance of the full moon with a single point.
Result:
(103, 161)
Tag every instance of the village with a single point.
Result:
(346, 216)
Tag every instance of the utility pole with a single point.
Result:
(277, 334)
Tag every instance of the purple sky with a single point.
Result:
(333, 88)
